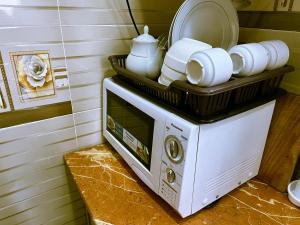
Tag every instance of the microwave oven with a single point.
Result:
(189, 165)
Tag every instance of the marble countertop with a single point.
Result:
(113, 194)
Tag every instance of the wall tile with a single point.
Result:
(256, 5)
(296, 6)
(13, 16)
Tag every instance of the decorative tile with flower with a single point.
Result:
(33, 74)
(33, 85)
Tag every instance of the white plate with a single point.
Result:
(211, 21)
(172, 25)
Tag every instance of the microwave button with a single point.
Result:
(171, 176)
(174, 149)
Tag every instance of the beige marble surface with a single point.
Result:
(114, 195)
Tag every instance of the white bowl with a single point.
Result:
(278, 53)
(249, 59)
(294, 192)
(180, 52)
(209, 67)
(172, 74)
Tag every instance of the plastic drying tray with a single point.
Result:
(205, 101)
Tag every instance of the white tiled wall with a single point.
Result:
(34, 188)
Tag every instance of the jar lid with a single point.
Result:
(146, 37)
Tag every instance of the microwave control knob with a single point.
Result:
(171, 176)
(174, 149)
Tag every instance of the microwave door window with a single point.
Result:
(132, 127)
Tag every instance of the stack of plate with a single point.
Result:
(211, 21)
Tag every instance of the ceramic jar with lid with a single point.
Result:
(145, 58)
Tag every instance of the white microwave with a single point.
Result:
(189, 165)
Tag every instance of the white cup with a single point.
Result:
(172, 74)
(294, 192)
(164, 80)
(297, 190)
(180, 52)
(249, 59)
(209, 67)
(278, 53)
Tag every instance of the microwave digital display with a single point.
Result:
(132, 127)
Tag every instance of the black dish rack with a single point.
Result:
(205, 103)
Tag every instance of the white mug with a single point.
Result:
(294, 192)
(209, 67)
(249, 59)
(164, 80)
(278, 53)
(297, 190)
(172, 74)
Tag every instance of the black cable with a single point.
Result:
(132, 19)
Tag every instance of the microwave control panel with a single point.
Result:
(173, 159)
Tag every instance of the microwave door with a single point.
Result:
(133, 133)
(132, 128)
